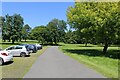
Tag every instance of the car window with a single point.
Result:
(26, 46)
(18, 47)
(31, 46)
(10, 48)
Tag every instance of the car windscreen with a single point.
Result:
(10, 48)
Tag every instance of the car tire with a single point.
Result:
(1, 61)
(23, 54)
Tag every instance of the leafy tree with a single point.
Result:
(56, 30)
(96, 20)
(26, 32)
(52, 33)
(12, 27)
(17, 27)
(108, 21)
(9, 24)
(40, 33)
(62, 27)
(53, 30)
(2, 19)
(71, 37)
(80, 17)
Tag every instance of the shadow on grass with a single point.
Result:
(115, 54)
(9, 43)
(52, 45)
(23, 57)
(8, 63)
(85, 46)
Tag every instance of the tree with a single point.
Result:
(40, 33)
(56, 30)
(17, 28)
(71, 37)
(52, 33)
(98, 20)
(108, 21)
(62, 27)
(8, 26)
(81, 18)
(4, 31)
(12, 27)
(26, 31)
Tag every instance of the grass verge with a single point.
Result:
(91, 57)
(20, 66)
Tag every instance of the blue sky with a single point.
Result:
(37, 13)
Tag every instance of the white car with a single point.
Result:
(5, 56)
(38, 46)
(18, 51)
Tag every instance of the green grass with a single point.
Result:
(92, 57)
(20, 66)
(7, 44)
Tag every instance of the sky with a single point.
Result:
(37, 13)
(37, 0)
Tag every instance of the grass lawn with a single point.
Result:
(7, 44)
(91, 57)
(20, 66)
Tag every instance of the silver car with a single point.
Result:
(18, 51)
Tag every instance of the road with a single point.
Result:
(54, 64)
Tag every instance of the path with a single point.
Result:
(54, 64)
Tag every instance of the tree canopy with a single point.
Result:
(97, 20)
(12, 27)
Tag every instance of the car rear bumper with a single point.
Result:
(28, 53)
(8, 58)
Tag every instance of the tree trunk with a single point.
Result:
(105, 48)
(55, 40)
(17, 40)
(9, 40)
(20, 39)
(13, 41)
(4, 40)
(86, 42)
(25, 40)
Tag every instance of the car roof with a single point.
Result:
(24, 44)
(19, 46)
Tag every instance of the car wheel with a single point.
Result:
(1, 61)
(22, 54)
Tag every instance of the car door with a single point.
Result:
(17, 50)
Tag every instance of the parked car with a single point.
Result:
(30, 47)
(27, 46)
(18, 51)
(38, 46)
(5, 56)
(33, 48)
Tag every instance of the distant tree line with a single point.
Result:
(52, 33)
(13, 28)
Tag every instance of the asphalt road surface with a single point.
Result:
(54, 64)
